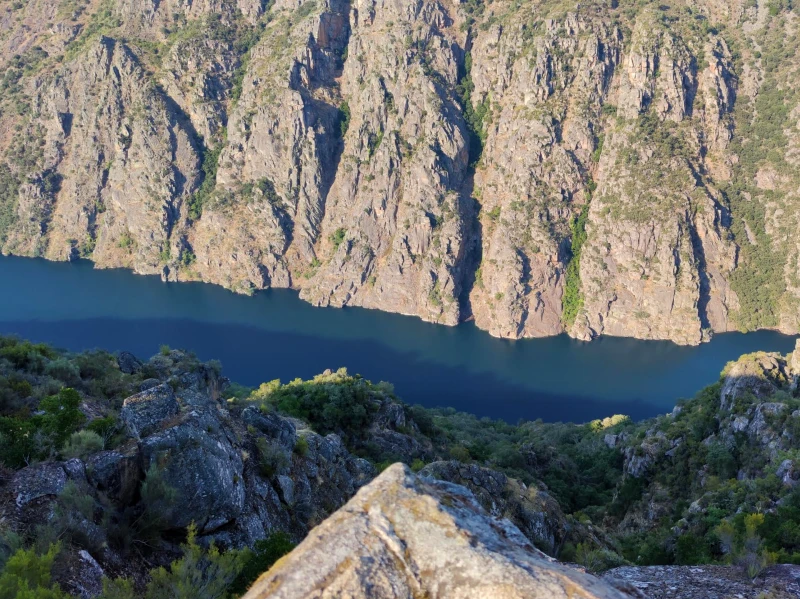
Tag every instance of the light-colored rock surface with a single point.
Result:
(404, 536)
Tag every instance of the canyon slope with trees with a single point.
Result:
(122, 477)
(611, 167)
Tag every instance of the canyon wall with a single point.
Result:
(614, 167)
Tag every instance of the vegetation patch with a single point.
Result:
(572, 301)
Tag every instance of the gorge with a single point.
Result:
(274, 335)
(625, 168)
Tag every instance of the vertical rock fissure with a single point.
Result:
(473, 252)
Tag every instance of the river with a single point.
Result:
(275, 335)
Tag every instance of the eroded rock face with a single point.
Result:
(404, 536)
(537, 515)
(760, 375)
(144, 412)
(196, 459)
(332, 147)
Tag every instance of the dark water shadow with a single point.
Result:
(251, 355)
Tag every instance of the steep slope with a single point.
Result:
(623, 168)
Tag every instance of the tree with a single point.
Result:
(200, 573)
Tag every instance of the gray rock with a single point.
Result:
(788, 473)
(31, 483)
(75, 469)
(116, 473)
(757, 374)
(286, 489)
(128, 363)
(142, 413)
(404, 536)
(270, 424)
(535, 512)
(708, 581)
(149, 384)
(197, 459)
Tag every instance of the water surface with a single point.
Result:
(275, 335)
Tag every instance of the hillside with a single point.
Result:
(121, 473)
(618, 167)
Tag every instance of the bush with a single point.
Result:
(596, 560)
(82, 444)
(200, 573)
(691, 550)
(25, 440)
(108, 428)
(72, 519)
(61, 415)
(335, 403)
(460, 453)
(263, 555)
(63, 370)
(272, 458)
(27, 574)
(301, 446)
(158, 500)
(743, 546)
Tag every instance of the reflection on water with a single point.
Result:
(276, 335)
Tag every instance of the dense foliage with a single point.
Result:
(717, 498)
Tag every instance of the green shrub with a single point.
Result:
(691, 550)
(202, 572)
(344, 118)
(417, 465)
(62, 415)
(39, 437)
(73, 520)
(335, 403)
(272, 458)
(572, 300)
(460, 453)
(301, 446)
(337, 237)
(118, 588)
(108, 428)
(25, 355)
(28, 574)
(82, 444)
(63, 370)
(157, 501)
(262, 556)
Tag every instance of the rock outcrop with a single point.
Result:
(537, 515)
(406, 536)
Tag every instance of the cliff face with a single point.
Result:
(618, 168)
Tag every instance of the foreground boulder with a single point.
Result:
(405, 536)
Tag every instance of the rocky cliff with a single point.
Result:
(161, 478)
(620, 168)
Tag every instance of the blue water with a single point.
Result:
(275, 335)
